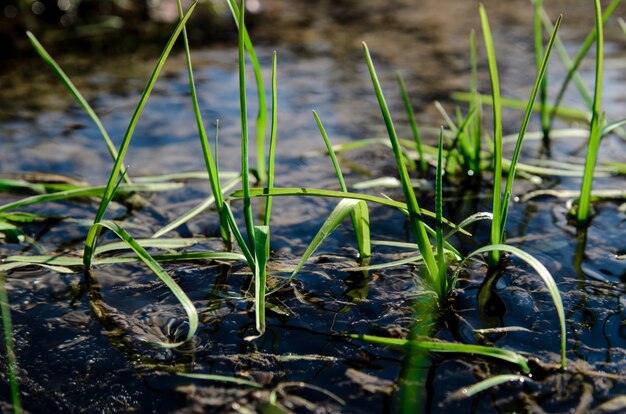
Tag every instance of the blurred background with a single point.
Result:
(103, 26)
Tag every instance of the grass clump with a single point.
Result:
(460, 146)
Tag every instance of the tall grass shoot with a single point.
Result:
(583, 213)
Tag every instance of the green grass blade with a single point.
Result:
(562, 111)
(567, 62)
(331, 153)
(13, 234)
(314, 192)
(545, 276)
(361, 222)
(483, 215)
(182, 176)
(153, 265)
(582, 53)
(77, 95)
(436, 346)
(220, 378)
(584, 203)
(441, 260)
(494, 257)
(197, 210)
(360, 214)
(612, 127)
(163, 244)
(273, 132)
(414, 129)
(489, 383)
(261, 120)
(245, 168)
(476, 130)
(7, 330)
(622, 24)
(343, 208)
(543, 66)
(462, 149)
(262, 252)
(60, 264)
(543, 95)
(8, 265)
(386, 265)
(119, 160)
(238, 237)
(86, 192)
(415, 214)
(206, 148)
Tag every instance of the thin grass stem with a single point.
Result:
(494, 257)
(415, 213)
(273, 132)
(414, 129)
(261, 119)
(441, 260)
(584, 204)
(543, 67)
(206, 148)
(543, 90)
(245, 168)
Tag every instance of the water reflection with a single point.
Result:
(320, 67)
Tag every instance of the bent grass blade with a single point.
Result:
(87, 192)
(155, 267)
(360, 213)
(447, 347)
(345, 207)
(220, 378)
(562, 111)
(60, 264)
(315, 192)
(545, 276)
(194, 212)
(481, 386)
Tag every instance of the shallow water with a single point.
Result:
(83, 342)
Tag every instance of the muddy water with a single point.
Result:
(85, 347)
